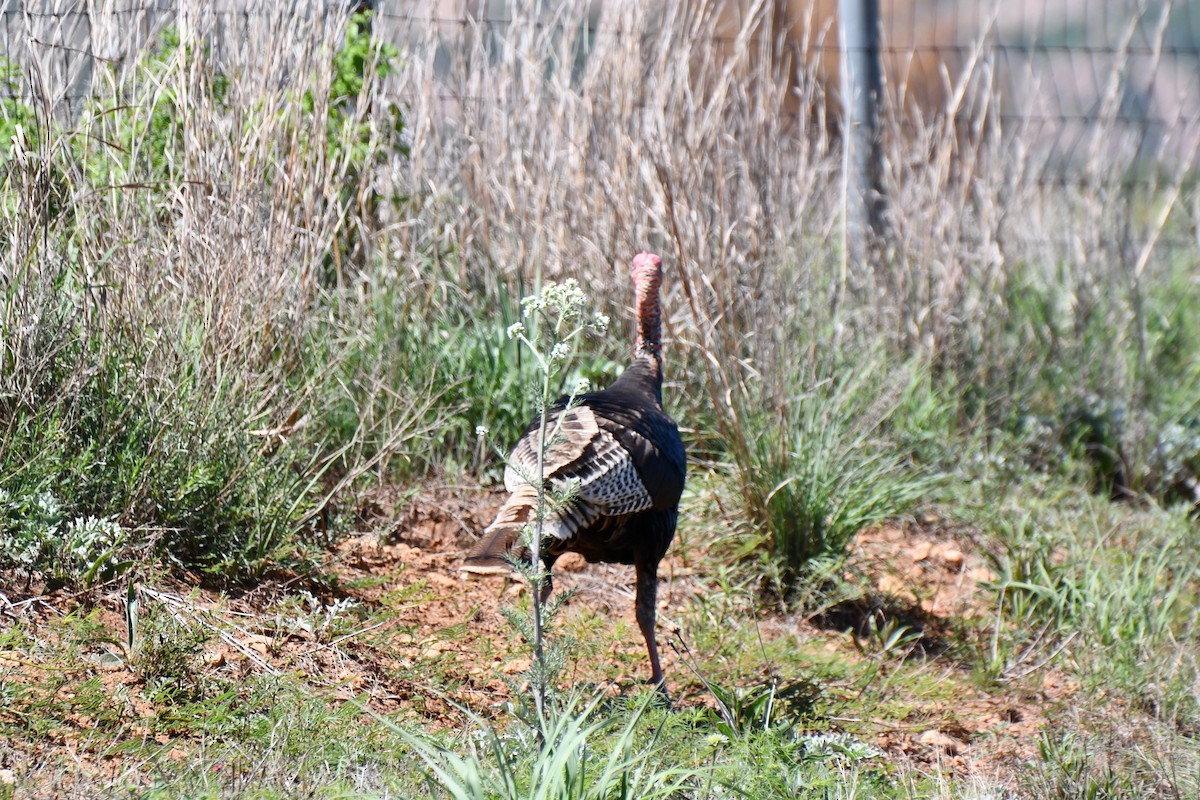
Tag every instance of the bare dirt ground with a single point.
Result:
(937, 578)
(423, 618)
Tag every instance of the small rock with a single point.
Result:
(981, 575)
(8, 777)
(920, 551)
(888, 583)
(516, 666)
(445, 531)
(952, 556)
(436, 649)
(259, 644)
(404, 552)
(571, 562)
(893, 585)
(940, 741)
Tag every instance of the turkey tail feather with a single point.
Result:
(488, 556)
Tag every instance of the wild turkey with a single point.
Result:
(629, 461)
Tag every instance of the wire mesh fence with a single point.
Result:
(1076, 76)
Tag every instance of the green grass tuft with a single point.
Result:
(823, 468)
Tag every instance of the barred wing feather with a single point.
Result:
(569, 432)
(584, 453)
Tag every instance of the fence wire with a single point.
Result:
(1064, 70)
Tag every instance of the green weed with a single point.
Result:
(553, 323)
(166, 655)
(565, 763)
(1072, 770)
(823, 469)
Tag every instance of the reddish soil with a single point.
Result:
(939, 577)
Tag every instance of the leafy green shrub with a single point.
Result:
(1131, 452)
(111, 443)
(1072, 372)
(35, 534)
(29, 529)
(1175, 461)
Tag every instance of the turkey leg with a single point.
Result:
(644, 608)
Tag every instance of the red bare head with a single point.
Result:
(647, 270)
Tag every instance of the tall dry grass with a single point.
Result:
(553, 143)
(253, 257)
(177, 354)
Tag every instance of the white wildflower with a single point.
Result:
(582, 386)
(515, 330)
(481, 430)
(600, 323)
(560, 352)
(567, 490)
(530, 305)
(566, 297)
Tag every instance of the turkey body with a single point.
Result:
(619, 460)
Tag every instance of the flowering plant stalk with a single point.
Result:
(554, 320)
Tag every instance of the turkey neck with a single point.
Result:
(645, 373)
(642, 378)
(649, 338)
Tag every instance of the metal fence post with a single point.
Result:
(862, 90)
